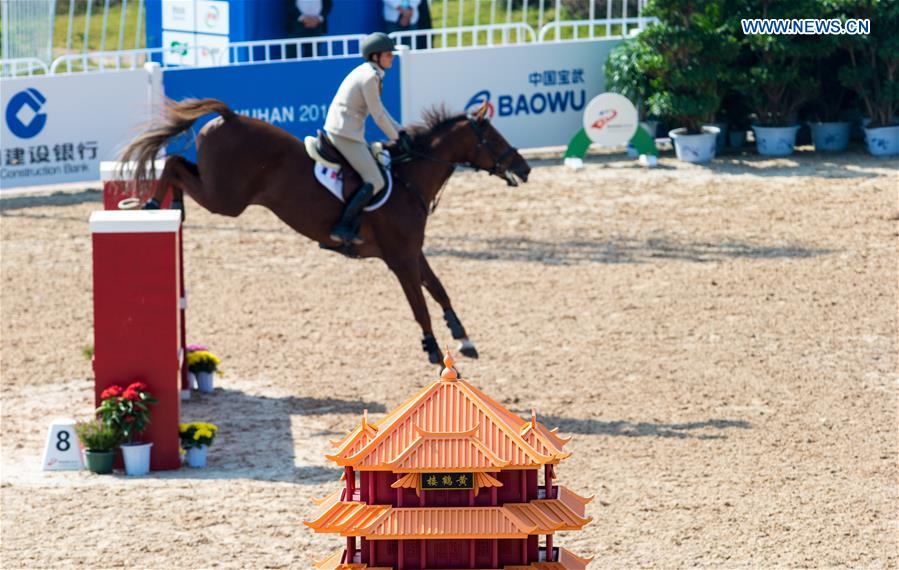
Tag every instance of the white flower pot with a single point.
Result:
(192, 380)
(204, 379)
(830, 137)
(883, 141)
(775, 141)
(137, 458)
(695, 148)
(196, 456)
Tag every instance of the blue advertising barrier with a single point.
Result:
(292, 95)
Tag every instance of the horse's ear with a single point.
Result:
(481, 113)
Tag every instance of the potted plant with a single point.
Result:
(127, 410)
(873, 73)
(687, 52)
(196, 438)
(99, 441)
(776, 82)
(192, 378)
(203, 364)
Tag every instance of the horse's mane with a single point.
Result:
(435, 119)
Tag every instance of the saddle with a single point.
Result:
(320, 149)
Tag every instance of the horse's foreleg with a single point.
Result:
(435, 288)
(409, 274)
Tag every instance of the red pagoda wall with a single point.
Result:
(449, 554)
(375, 489)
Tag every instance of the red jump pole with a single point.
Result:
(138, 316)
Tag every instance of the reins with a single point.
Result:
(482, 142)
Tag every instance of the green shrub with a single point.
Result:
(873, 67)
(623, 73)
(687, 53)
(96, 436)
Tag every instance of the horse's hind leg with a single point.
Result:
(435, 288)
(177, 173)
(409, 274)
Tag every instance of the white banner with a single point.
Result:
(536, 93)
(58, 128)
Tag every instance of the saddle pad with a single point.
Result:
(333, 182)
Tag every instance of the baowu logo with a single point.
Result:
(23, 116)
(477, 100)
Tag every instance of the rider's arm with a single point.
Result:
(378, 112)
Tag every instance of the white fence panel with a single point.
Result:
(57, 129)
(536, 99)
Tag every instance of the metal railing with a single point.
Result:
(237, 53)
(589, 29)
(22, 66)
(466, 36)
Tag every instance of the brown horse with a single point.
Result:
(243, 161)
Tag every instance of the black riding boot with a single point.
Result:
(347, 228)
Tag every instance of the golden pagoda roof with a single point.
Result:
(450, 424)
(512, 520)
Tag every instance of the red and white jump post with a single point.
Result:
(139, 304)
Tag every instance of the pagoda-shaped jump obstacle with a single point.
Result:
(449, 479)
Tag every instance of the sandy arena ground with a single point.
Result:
(721, 342)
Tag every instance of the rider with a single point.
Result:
(358, 96)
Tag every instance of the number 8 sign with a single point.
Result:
(62, 452)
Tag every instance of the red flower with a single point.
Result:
(131, 394)
(129, 419)
(113, 391)
(138, 386)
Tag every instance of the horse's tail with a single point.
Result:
(177, 118)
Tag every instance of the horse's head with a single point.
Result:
(491, 152)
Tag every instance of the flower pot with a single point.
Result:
(137, 458)
(830, 137)
(695, 148)
(204, 379)
(196, 456)
(192, 380)
(775, 141)
(721, 138)
(736, 138)
(883, 141)
(99, 462)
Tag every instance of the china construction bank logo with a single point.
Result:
(23, 113)
(480, 99)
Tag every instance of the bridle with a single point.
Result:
(483, 142)
(494, 170)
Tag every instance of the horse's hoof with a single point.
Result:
(434, 357)
(469, 351)
(152, 204)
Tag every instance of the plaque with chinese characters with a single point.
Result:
(446, 481)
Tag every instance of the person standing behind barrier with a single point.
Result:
(401, 15)
(306, 19)
(358, 96)
(424, 23)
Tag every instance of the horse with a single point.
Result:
(243, 161)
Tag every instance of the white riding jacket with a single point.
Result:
(359, 96)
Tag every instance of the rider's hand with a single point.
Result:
(404, 142)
